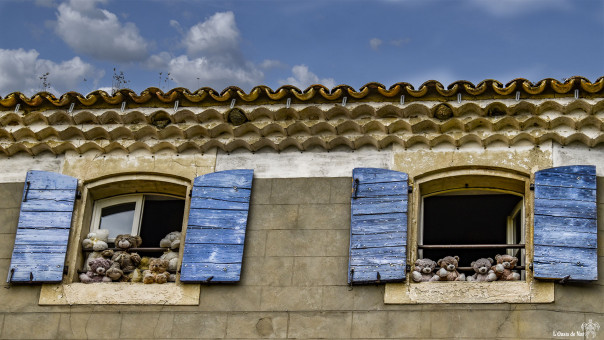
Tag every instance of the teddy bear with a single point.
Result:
(503, 269)
(424, 271)
(172, 240)
(483, 272)
(448, 269)
(98, 271)
(157, 272)
(124, 263)
(97, 242)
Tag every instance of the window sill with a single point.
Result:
(469, 292)
(119, 294)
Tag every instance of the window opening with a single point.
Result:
(472, 224)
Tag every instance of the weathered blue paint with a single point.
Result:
(43, 228)
(378, 230)
(216, 229)
(565, 231)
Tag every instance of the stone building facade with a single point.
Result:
(303, 147)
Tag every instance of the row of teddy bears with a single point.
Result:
(484, 269)
(106, 265)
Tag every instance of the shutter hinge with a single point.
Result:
(378, 277)
(78, 195)
(209, 279)
(564, 280)
(407, 268)
(410, 189)
(65, 270)
(26, 191)
(355, 188)
(532, 187)
(351, 276)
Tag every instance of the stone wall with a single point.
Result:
(293, 286)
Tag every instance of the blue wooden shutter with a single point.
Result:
(378, 230)
(565, 233)
(43, 229)
(213, 249)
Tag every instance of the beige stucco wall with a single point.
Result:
(293, 281)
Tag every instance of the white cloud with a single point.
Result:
(303, 78)
(200, 72)
(375, 43)
(218, 35)
(507, 8)
(269, 64)
(98, 32)
(20, 70)
(400, 42)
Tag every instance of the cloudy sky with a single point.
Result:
(84, 45)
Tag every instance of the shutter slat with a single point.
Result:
(378, 229)
(565, 230)
(216, 229)
(43, 228)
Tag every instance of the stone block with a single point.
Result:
(230, 298)
(370, 325)
(11, 195)
(454, 323)
(368, 297)
(9, 218)
(307, 243)
(199, 325)
(257, 325)
(268, 271)
(291, 298)
(277, 216)
(340, 190)
(337, 298)
(532, 324)
(255, 243)
(31, 325)
(585, 297)
(144, 325)
(320, 271)
(261, 190)
(324, 216)
(601, 216)
(300, 190)
(7, 242)
(320, 325)
(76, 325)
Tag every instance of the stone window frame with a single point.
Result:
(72, 292)
(528, 291)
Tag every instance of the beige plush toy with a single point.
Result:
(97, 242)
(483, 272)
(423, 271)
(157, 272)
(172, 240)
(448, 269)
(124, 263)
(503, 268)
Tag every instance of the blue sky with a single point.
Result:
(75, 45)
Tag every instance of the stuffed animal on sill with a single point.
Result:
(423, 271)
(157, 272)
(97, 242)
(97, 272)
(125, 263)
(503, 268)
(172, 243)
(448, 269)
(483, 272)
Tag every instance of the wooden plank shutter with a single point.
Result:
(213, 249)
(43, 229)
(565, 233)
(378, 230)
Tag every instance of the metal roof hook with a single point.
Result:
(123, 106)
(344, 101)
(233, 103)
(517, 95)
(576, 93)
(17, 108)
(71, 107)
(459, 98)
(403, 99)
(288, 103)
(176, 106)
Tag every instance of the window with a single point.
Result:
(472, 224)
(151, 216)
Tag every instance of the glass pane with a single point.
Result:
(118, 219)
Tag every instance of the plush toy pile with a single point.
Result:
(426, 270)
(123, 265)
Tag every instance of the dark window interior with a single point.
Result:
(467, 219)
(161, 215)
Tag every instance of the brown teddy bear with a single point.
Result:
(157, 272)
(98, 271)
(503, 268)
(124, 263)
(448, 269)
(483, 272)
(424, 271)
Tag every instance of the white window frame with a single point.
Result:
(99, 205)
